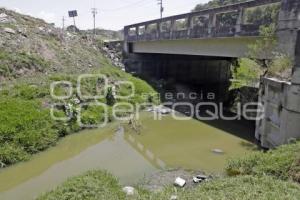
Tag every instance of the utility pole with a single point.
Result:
(74, 23)
(63, 23)
(160, 2)
(94, 12)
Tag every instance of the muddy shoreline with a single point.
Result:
(158, 181)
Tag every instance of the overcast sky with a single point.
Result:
(112, 14)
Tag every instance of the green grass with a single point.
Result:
(102, 186)
(11, 62)
(282, 163)
(242, 188)
(25, 128)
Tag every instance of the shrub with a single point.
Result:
(264, 47)
(11, 154)
(94, 185)
(110, 98)
(263, 14)
(279, 65)
(247, 73)
(93, 115)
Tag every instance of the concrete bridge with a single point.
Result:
(223, 32)
(198, 48)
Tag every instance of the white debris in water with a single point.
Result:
(218, 151)
(149, 110)
(165, 111)
(160, 109)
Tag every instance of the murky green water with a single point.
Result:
(129, 156)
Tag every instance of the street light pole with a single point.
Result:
(94, 12)
(160, 2)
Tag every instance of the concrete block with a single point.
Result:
(282, 113)
(274, 95)
(274, 135)
(292, 100)
(290, 125)
(296, 75)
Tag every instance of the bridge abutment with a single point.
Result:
(281, 99)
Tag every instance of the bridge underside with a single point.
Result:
(210, 74)
(234, 47)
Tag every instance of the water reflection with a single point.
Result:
(112, 154)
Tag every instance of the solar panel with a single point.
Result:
(73, 13)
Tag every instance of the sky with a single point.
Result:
(112, 14)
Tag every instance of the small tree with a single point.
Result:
(264, 52)
(263, 49)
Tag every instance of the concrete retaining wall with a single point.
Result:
(281, 122)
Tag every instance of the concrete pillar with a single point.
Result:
(146, 29)
(212, 23)
(288, 25)
(137, 32)
(189, 26)
(159, 29)
(240, 21)
(125, 47)
(288, 33)
(296, 71)
(172, 28)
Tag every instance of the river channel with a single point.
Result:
(162, 144)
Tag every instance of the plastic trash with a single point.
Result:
(129, 191)
(199, 178)
(180, 182)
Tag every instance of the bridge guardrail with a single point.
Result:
(209, 26)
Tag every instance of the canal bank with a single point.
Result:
(129, 156)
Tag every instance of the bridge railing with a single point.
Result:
(225, 21)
